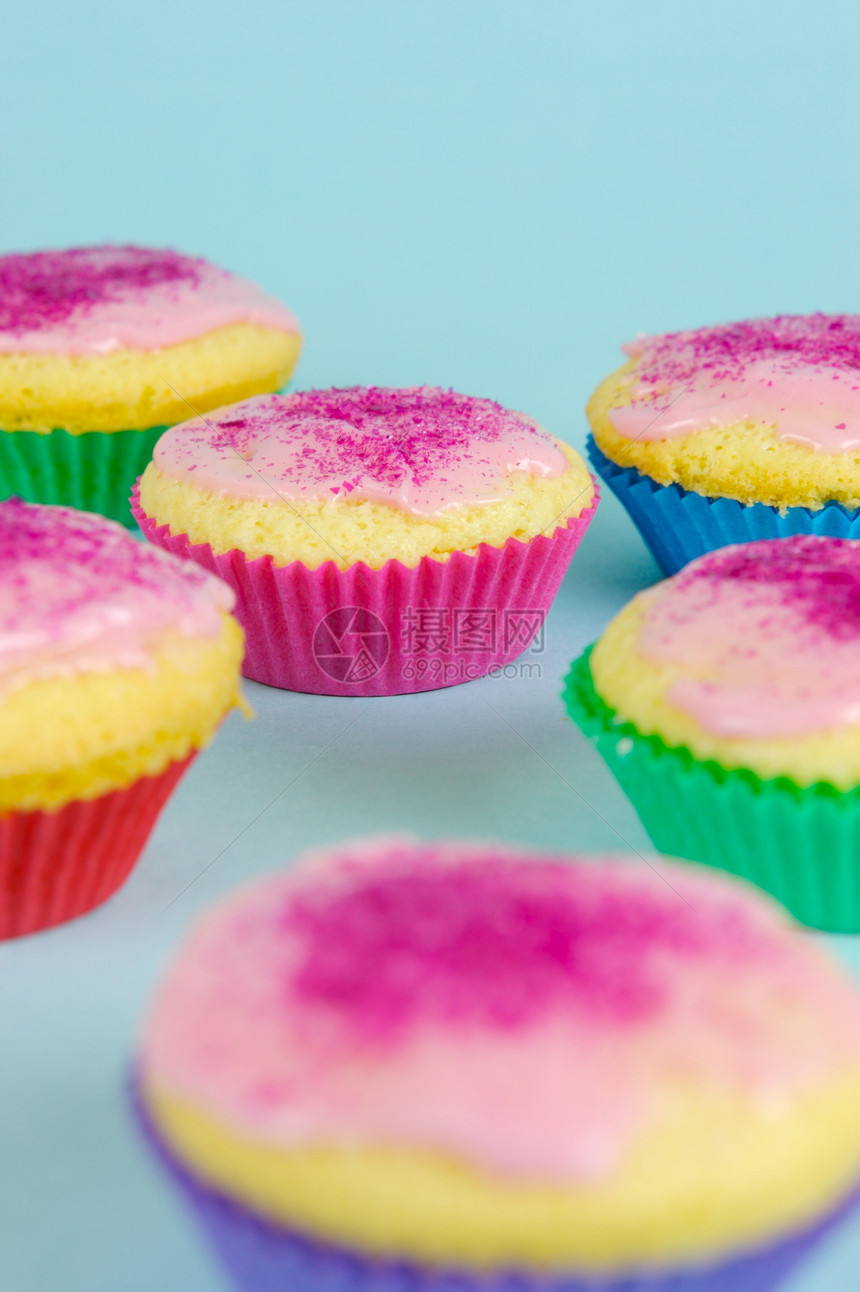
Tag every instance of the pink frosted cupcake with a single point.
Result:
(117, 664)
(102, 347)
(726, 701)
(728, 434)
(379, 541)
(421, 1067)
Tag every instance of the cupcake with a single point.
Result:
(379, 541)
(101, 348)
(732, 433)
(117, 662)
(726, 701)
(435, 1066)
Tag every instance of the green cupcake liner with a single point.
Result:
(94, 471)
(800, 844)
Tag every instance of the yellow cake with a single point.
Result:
(746, 460)
(102, 347)
(117, 664)
(734, 433)
(130, 389)
(763, 1173)
(348, 530)
(380, 541)
(77, 736)
(764, 411)
(726, 702)
(485, 1117)
(720, 658)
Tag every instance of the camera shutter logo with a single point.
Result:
(351, 644)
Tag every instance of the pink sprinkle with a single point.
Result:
(724, 351)
(55, 561)
(495, 941)
(386, 435)
(47, 288)
(819, 577)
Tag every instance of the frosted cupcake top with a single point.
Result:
(94, 300)
(799, 373)
(421, 449)
(766, 637)
(78, 593)
(526, 1014)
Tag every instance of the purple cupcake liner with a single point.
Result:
(262, 1256)
(679, 525)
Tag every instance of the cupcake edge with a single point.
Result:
(263, 1256)
(801, 844)
(678, 525)
(519, 579)
(57, 865)
(89, 471)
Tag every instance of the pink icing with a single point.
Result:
(527, 1014)
(93, 300)
(78, 593)
(799, 373)
(421, 449)
(768, 635)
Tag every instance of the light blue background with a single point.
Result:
(486, 195)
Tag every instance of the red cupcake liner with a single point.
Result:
(391, 631)
(55, 866)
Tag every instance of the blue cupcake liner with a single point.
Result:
(262, 1256)
(679, 525)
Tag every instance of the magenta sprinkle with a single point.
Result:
(385, 435)
(54, 560)
(46, 288)
(818, 577)
(725, 351)
(497, 941)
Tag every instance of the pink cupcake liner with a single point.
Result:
(55, 866)
(392, 631)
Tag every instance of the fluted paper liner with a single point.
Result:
(391, 631)
(261, 1256)
(93, 471)
(679, 525)
(800, 844)
(57, 865)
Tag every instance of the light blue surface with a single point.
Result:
(485, 195)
